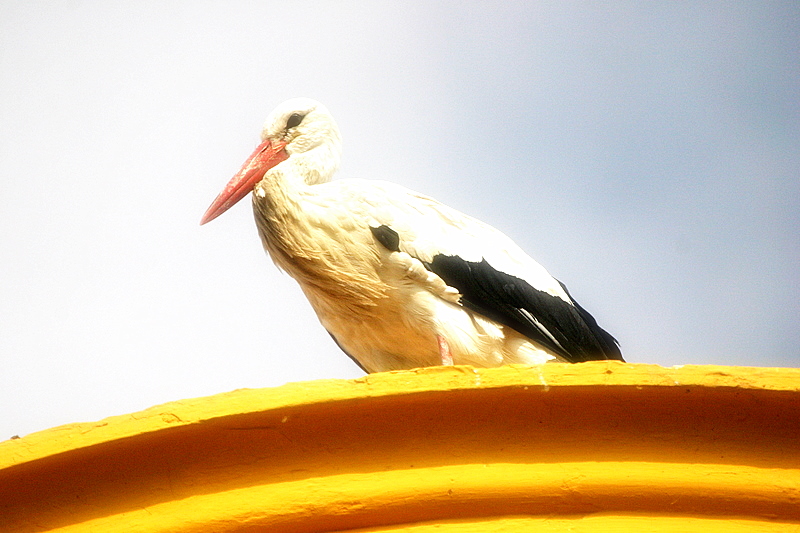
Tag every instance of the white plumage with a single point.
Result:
(398, 279)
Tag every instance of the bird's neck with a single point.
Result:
(279, 203)
(287, 213)
(316, 165)
(283, 186)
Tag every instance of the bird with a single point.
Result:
(398, 279)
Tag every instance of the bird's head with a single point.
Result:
(301, 136)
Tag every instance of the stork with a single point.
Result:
(398, 279)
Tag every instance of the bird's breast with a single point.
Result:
(331, 258)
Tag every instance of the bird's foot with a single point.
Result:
(444, 351)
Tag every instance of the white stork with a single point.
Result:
(398, 279)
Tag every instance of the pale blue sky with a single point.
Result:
(647, 155)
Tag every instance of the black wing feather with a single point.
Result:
(387, 237)
(567, 330)
(608, 343)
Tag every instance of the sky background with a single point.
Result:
(647, 154)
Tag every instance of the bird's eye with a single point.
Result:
(294, 120)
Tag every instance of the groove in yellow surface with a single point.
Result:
(469, 491)
(594, 524)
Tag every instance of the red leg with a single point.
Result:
(444, 351)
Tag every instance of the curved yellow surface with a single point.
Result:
(601, 446)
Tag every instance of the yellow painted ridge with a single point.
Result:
(441, 378)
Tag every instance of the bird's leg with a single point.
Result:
(444, 351)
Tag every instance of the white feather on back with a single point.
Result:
(428, 228)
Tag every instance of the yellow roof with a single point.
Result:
(592, 446)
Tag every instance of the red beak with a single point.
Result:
(267, 155)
